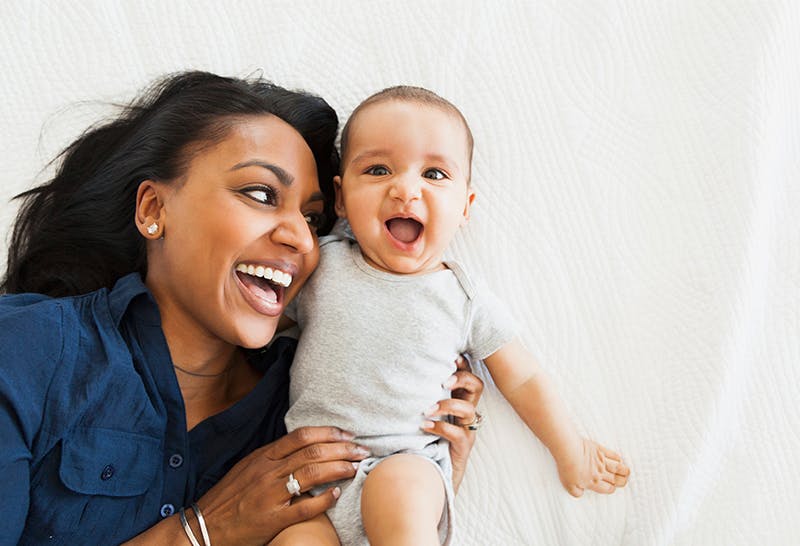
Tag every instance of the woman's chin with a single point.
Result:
(257, 336)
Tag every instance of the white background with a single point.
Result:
(636, 167)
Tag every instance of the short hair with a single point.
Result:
(409, 93)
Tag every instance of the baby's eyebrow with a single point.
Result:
(369, 154)
(283, 177)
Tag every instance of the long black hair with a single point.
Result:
(76, 233)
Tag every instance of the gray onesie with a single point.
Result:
(373, 353)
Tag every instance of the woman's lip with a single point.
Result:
(260, 305)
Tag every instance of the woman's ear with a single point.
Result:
(150, 213)
(467, 205)
(339, 204)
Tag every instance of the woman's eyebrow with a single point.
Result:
(283, 177)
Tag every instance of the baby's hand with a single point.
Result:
(592, 466)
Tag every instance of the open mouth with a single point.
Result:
(405, 230)
(265, 284)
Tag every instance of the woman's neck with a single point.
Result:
(212, 374)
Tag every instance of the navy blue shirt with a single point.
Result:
(93, 440)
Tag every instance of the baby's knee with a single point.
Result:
(405, 482)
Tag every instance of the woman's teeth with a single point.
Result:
(275, 275)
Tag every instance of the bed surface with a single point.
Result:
(636, 169)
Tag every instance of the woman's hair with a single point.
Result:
(76, 233)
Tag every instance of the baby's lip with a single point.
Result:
(405, 215)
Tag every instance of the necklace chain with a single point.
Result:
(196, 374)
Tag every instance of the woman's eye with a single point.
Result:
(378, 170)
(264, 195)
(315, 220)
(434, 174)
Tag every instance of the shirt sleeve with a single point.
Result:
(26, 364)
(491, 325)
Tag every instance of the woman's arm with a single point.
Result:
(251, 504)
(581, 462)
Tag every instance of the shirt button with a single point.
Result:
(175, 460)
(167, 510)
(107, 472)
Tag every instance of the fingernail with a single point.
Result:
(360, 450)
(336, 492)
(431, 410)
(347, 435)
(426, 425)
(449, 382)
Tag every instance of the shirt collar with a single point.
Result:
(124, 292)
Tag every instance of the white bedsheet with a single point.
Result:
(637, 166)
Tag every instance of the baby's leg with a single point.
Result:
(402, 502)
(316, 531)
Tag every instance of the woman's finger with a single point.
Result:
(466, 385)
(309, 507)
(314, 474)
(459, 409)
(453, 433)
(334, 451)
(302, 437)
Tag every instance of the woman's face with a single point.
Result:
(245, 210)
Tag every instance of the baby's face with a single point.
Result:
(404, 186)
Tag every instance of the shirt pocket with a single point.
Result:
(113, 463)
(93, 486)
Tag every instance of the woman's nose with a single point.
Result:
(294, 232)
(406, 188)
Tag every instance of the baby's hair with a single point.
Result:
(408, 93)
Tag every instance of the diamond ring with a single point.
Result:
(293, 486)
(476, 423)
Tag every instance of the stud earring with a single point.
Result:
(152, 228)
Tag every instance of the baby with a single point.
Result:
(384, 318)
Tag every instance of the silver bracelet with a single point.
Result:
(203, 528)
(187, 529)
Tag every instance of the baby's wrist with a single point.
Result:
(568, 451)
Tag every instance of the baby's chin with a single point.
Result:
(408, 265)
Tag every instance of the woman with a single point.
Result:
(142, 387)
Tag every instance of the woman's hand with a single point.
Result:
(251, 504)
(466, 390)
(591, 466)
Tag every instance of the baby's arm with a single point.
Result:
(582, 463)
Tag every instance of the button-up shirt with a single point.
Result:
(93, 440)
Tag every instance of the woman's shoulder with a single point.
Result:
(32, 328)
(42, 332)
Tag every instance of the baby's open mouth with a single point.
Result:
(405, 230)
(264, 282)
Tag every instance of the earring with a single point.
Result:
(152, 228)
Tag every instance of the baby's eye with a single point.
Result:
(434, 174)
(262, 194)
(378, 170)
(315, 220)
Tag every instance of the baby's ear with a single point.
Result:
(467, 205)
(339, 204)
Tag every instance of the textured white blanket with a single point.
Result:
(638, 174)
